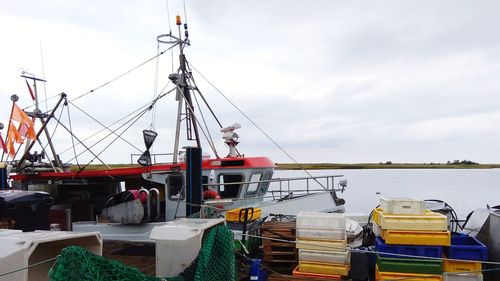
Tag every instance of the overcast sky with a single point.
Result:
(330, 81)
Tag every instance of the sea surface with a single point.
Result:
(463, 189)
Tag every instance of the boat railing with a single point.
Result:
(281, 187)
(153, 157)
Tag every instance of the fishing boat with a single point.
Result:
(144, 195)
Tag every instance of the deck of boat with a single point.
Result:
(140, 256)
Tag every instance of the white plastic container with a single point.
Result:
(21, 249)
(320, 220)
(402, 206)
(178, 243)
(376, 230)
(339, 257)
(453, 276)
(321, 233)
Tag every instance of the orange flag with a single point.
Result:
(14, 134)
(2, 144)
(10, 147)
(20, 116)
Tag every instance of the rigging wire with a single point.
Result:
(43, 76)
(209, 138)
(202, 96)
(168, 17)
(111, 133)
(66, 128)
(29, 266)
(188, 107)
(119, 120)
(125, 73)
(115, 78)
(257, 126)
(185, 14)
(106, 147)
(155, 90)
(72, 138)
(104, 126)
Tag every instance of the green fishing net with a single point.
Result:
(216, 261)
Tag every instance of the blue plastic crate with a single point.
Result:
(465, 247)
(421, 251)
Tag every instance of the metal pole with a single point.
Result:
(14, 98)
(44, 125)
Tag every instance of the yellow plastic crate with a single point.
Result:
(430, 221)
(461, 266)
(234, 215)
(321, 245)
(324, 268)
(416, 237)
(385, 276)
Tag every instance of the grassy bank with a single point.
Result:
(339, 166)
(335, 166)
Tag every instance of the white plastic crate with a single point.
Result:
(320, 220)
(453, 276)
(322, 233)
(402, 206)
(376, 230)
(339, 257)
(24, 249)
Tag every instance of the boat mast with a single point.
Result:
(37, 113)
(183, 95)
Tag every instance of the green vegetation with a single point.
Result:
(456, 164)
(386, 165)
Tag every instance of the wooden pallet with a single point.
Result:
(276, 251)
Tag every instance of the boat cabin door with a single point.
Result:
(175, 202)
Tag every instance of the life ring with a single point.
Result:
(211, 194)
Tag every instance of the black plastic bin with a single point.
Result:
(28, 209)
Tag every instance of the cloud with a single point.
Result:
(330, 81)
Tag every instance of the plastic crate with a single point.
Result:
(234, 214)
(324, 268)
(342, 257)
(320, 245)
(430, 221)
(391, 276)
(412, 250)
(420, 266)
(453, 276)
(321, 233)
(408, 206)
(413, 237)
(315, 276)
(465, 247)
(320, 220)
(461, 266)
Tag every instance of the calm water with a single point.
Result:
(465, 190)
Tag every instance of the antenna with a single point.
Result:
(181, 79)
(37, 113)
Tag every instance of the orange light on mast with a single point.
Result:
(178, 20)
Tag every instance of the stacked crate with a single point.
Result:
(322, 244)
(464, 258)
(403, 226)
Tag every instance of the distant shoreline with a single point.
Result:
(338, 166)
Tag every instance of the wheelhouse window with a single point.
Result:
(254, 184)
(230, 185)
(174, 187)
